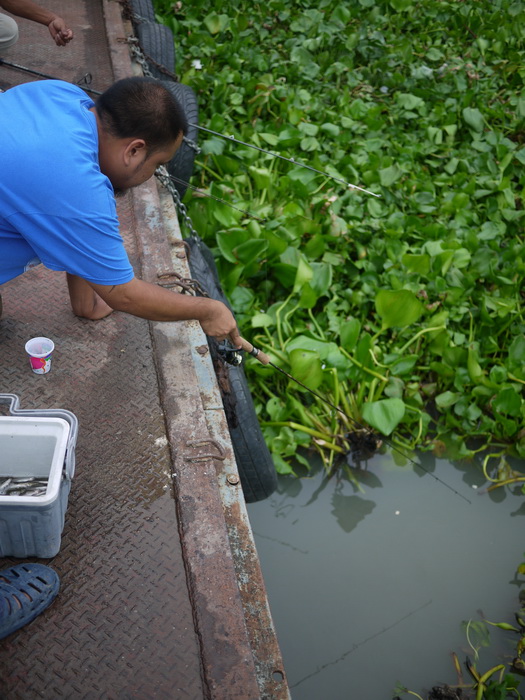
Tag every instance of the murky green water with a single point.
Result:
(368, 589)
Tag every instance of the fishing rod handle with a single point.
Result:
(251, 350)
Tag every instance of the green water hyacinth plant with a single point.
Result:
(405, 310)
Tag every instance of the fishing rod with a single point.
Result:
(288, 160)
(265, 360)
(83, 82)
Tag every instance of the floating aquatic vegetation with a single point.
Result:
(405, 310)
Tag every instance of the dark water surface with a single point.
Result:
(370, 589)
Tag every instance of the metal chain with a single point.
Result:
(191, 144)
(143, 59)
(170, 279)
(165, 180)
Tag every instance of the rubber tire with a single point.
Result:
(156, 40)
(181, 165)
(142, 11)
(254, 461)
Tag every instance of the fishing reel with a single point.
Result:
(229, 354)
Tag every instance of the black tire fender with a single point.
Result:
(157, 43)
(181, 165)
(254, 461)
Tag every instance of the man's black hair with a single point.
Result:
(142, 108)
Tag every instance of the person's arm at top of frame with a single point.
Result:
(139, 298)
(27, 9)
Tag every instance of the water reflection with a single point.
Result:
(370, 585)
(350, 510)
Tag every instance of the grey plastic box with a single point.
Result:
(35, 443)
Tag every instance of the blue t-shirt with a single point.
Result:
(55, 204)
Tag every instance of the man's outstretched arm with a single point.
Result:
(154, 303)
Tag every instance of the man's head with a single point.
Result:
(141, 126)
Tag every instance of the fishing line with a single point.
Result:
(265, 360)
(288, 160)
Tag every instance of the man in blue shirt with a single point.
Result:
(62, 160)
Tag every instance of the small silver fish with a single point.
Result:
(24, 486)
(4, 486)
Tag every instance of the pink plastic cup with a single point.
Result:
(40, 351)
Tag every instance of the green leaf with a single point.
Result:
(216, 23)
(490, 230)
(309, 297)
(303, 274)
(225, 215)
(416, 263)
(404, 365)
(517, 351)
(250, 251)
(508, 401)
(474, 118)
(434, 54)
(321, 281)
(261, 176)
(272, 139)
(305, 365)
(281, 466)
(401, 5)
(262, 321)
(285, 273)
(520, 155)
(384, 415)
(350, 333)
(242, 299)
(408, 101)
(362, 350)
(213, 145)
(331, 129)
(277, 410)
(397, 309)
(447, 399)
(387, 176)
(228, 242)
(303, 342)
(310, 143)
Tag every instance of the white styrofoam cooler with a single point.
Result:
(35, 443)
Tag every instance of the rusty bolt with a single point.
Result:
(202, 349)
(232, 479)
(181, 255)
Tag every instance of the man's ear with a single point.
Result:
(135, 151)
